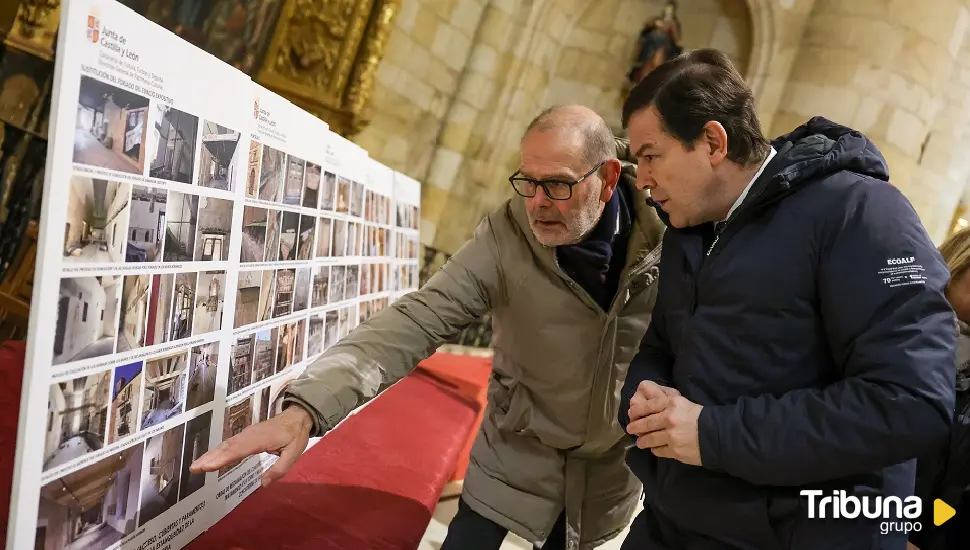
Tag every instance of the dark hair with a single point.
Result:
(695, 88)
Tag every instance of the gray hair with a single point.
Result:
(599, 143)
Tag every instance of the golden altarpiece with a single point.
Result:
(321, 55)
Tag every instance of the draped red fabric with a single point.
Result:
(12, 356)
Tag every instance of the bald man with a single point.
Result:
(567, 267)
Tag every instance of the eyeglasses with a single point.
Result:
(557, 190)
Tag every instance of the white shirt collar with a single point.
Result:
(737, 203)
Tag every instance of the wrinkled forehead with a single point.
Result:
(552, 153)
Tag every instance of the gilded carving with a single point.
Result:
(34, 29)
(358, 91)
(312, 43)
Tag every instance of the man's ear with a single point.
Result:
(715, 140)
(611, 175)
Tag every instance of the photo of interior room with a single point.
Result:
(271, 173)
(87, 314)
(174, 136)
(293, 187)
(146, 224)
(252, 170)
(92, 508)
(110, 127)
(267, 295)
(209, 302)
(331, 329)
(220, 149)
(311, 186)
(133, 317)
(315, 336)
(324, 237)
(238, 417)
(343, 194)
(264, 359)
(351, 250)
(272, 252)
(321, 283)
(301, 293)
(215, 223)
(357, 199)
(97, 215)
(183, 307)
(161, 474)
(125, 393)
(241, 368)
(338, 279)
(262, 404)
(353, 279)
(339, 244)
(180, 228)
(196, 444)
(253, 235)
(285, 279)
(201, 386)
(164, 394)
(304, 242)
(77, 418)
(288, 232)
(328, 192)
(160, 308)
(285, 346)
(247, 298)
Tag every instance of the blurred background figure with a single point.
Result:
(659, 42)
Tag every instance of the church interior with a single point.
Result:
(440, 90)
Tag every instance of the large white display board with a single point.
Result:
(202, 240)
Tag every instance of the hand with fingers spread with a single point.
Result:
(665, 422)
(285, 435)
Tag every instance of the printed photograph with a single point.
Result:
(146, 224)
(253, 235)
(343, 194)
(77, 412)
(264, 364)
(164, 383)
(252, 169)
(311, 186)
(273, 220)
(315, 336)
(285, 279)
(182, 221)
(293, 187)
(237, 418)
(338, 281)
(352, 230)
(339, 246)
(351, 289)
(288, 232)
(97, 217)
(160, 308)
(328, 192)
(92, 508)
(201, 387)
(210, 298)
(289, 350)
(324, 237)
(125, 390)
(331, 329)
(161, 474)
(110, 127)
(247, 298)
(301, 294)
(132, 322)
(87, 314)
(271, 175)
(267, 295)
(262, 403)
(321, 283)
(196, 444)
(215, 224)
(218, 162)
(357, 199)
(183, 307)
(241, 367)
(304, 247)
(174, 136)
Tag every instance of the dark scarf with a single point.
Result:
(596, 263)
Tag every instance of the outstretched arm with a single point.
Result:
(881, 289)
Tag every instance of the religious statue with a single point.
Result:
(659, 42)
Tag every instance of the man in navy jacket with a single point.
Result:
(801, 340)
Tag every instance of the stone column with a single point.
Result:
(885, 68)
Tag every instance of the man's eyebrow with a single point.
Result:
(562, 176)
(643, 148)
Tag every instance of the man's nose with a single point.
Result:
(645, 180)
(540, 198)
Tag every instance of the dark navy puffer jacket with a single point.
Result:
(816, 335)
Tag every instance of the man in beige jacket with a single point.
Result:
(568, 270)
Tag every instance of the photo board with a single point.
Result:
(202, 241)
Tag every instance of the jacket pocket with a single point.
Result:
(512, 407)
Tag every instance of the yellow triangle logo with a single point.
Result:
(942, 512)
